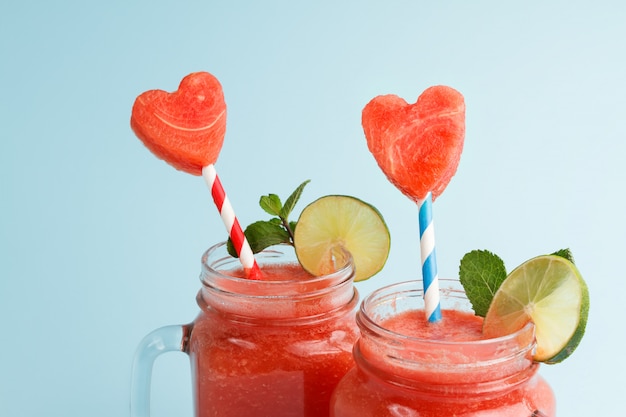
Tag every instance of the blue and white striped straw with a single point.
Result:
(432, 306)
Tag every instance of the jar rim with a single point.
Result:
(293, 300)
(216, 262)
(449, 287)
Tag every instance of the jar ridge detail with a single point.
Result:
(398, 373)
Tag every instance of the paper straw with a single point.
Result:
(233, 228)
(432, 306)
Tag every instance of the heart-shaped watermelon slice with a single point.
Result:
(185, 128)
(418, 146)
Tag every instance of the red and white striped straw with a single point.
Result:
(233, 228)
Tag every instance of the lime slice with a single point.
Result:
(341, 222)
(549, 291)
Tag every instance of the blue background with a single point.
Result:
(101, 242)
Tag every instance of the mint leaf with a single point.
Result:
(261, 235)
(291, 201)
(271, 204)
(275, 231)
(481, 273)
(565, 253)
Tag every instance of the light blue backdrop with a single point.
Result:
(100, 241)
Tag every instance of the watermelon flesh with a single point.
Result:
(185, 128)
(418, 146)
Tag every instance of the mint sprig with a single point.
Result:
(481, 273)
(565, 253)
(275, 231)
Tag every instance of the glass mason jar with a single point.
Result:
(401, 375)
(271, 347)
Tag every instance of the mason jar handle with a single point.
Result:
(164, 339)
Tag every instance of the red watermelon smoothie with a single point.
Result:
(407, 366)
(271, 347)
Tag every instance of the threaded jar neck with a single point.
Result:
(438, 367)
(286, 295)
